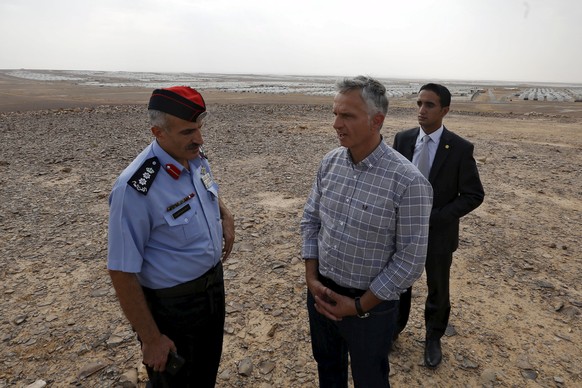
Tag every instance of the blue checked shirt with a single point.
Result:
(367, 223)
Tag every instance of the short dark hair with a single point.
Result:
(439, 90)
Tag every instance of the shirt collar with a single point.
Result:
(372, 159)
(163, 156)
(435, 136)
(168, 163)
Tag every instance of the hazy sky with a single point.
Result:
(510, 40)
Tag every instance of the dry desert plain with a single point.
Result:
(516, 290)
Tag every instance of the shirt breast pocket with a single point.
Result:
(185, 223)
(375, 216)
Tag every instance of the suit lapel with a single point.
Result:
(441, 154)
(408, 144)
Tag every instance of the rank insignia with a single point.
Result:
(145, 175)
(186, 198)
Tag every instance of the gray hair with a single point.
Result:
(372, 91)
(158, 118)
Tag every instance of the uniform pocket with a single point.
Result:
(185, 221)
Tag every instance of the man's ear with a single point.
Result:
(377, 121)
(446, 110)
(157, 132)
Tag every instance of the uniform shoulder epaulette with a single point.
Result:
(145, 175)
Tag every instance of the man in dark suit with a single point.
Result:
(446, 160)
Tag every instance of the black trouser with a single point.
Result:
(438, 305)
(367, 341)
(195, 322)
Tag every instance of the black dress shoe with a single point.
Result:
(433, 354)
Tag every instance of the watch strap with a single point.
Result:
(359, 310)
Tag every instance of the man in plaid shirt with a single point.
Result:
(365, 233)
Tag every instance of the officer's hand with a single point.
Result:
(228, 234)
(155, 354)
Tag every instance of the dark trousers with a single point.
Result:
(438, 304)
(195, 322)
(367, 340)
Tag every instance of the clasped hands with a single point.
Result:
(331, 304)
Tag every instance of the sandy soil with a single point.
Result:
(516, 290)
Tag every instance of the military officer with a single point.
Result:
(168, 230)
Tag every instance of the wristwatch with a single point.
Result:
(361, 313)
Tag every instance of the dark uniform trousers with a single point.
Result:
(438, 305)
(192, 315)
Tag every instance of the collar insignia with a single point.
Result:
(173, 171)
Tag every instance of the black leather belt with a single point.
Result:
(200, 284)
(351, 292)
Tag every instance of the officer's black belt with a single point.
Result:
(200, 284)
(345, 291)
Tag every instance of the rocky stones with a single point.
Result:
(514, 284)
(129, 378)
(37, 384)
(91, 368)
(245, 367)
(488, 378)
(266, 367)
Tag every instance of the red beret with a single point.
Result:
(180, 101)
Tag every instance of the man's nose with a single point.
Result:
(197, 138)
(337, 123)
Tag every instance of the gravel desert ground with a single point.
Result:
(516, 290)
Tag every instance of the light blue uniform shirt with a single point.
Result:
(164, 246)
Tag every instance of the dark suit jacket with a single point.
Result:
(457, 189)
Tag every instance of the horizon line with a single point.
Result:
(401, 78)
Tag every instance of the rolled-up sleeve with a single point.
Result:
(408, 259)
(311, 223)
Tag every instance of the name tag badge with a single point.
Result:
(181, 211)
(207, 180)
